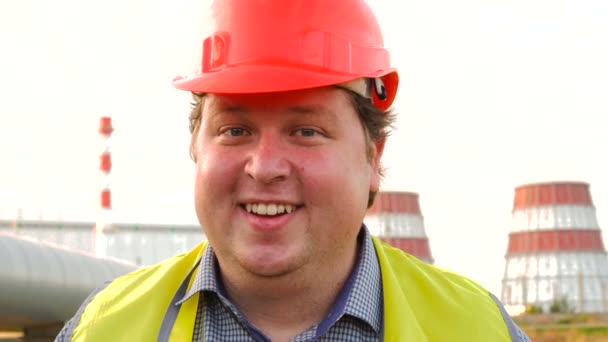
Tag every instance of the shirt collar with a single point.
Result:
(206, 278)
(361, 296)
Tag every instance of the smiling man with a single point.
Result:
(291, 112)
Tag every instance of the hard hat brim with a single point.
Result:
(271, 78)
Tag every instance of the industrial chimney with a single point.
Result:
(105, 165)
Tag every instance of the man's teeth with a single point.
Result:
(270, 209)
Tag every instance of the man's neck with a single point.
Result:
(284, 306)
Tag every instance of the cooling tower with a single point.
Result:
(555, 250)
(395, 217)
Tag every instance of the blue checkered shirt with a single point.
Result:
(357, 314)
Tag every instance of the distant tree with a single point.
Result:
(534, 309)
(561, 305)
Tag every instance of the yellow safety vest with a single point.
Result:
(421, 303)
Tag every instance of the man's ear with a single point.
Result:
(376, 167)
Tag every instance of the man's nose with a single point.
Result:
(268, 161)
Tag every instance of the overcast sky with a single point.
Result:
(493, 94)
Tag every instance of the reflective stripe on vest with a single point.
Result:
(173, 310)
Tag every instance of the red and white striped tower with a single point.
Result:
(105, 165)
(555, 249)
(395, 217)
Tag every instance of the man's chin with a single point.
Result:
(268, 264)
(267, 269)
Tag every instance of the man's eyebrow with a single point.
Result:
(316, 112)
(308, 109)
(232, 108)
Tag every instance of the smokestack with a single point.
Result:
(395, 218)
(105, 165)
(555, 251)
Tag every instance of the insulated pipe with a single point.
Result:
(41, 283)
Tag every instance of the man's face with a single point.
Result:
(282, 179)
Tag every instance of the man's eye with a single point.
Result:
(306, 132)
(235, 132)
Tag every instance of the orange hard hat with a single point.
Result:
(279, 45)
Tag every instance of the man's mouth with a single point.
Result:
(269, 209)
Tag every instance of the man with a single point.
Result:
(290, 116)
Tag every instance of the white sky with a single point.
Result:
(493, 94)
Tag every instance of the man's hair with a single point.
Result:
(377, 124)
